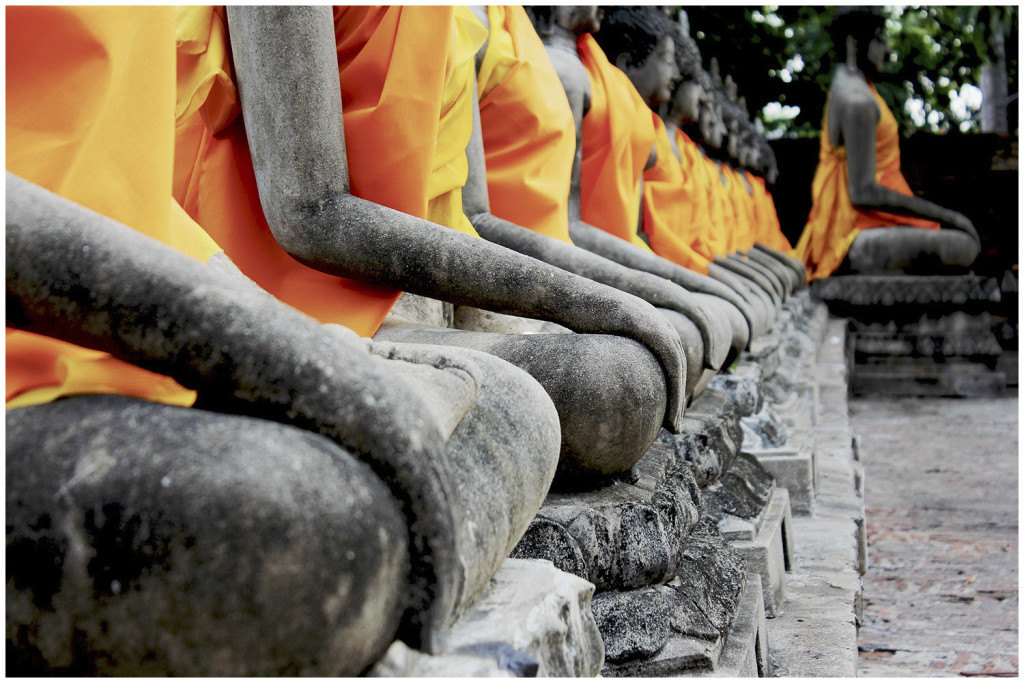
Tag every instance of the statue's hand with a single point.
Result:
(638, 320)
(958, 221)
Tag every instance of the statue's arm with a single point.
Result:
(857, 117)
(288, 80)
(651, 288)
(596, 274)
(82, 277)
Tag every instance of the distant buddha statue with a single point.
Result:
(864, 217)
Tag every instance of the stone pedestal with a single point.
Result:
(767, 548)
(532, 620)
(920, 335)
(792, 466)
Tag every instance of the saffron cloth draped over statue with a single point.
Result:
(407, 123)
(527, 125)
(618, 134)
(90, 116)
(668, 205)
(834, 222)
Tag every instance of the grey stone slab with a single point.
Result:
(793, 469)
(765, 554)
(817, 633)
(532, 619)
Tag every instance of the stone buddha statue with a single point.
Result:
(324, 494)
(705, 331)
(639, 41)
(560, 29)
(863, 209)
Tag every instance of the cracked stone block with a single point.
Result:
(623, 535)
(743, 491)
(531, 620)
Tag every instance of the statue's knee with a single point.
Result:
(610, 396)
(175, 541)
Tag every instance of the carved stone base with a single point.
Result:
(767, 549)
(792, 466)
(741, 653)
(532, 620)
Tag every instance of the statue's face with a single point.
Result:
(749, 155)
(653, 78)
(711, 127)
(734, 140)
(579, 19)
(686, 105)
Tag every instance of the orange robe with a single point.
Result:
(528, 131)
(769, 231)
(833, 222)
(743, 209)
(710, 178)
(668, 206)
(90, 116)
(695, 179)
(407, 118)
(618, 134)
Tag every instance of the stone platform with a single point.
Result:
(694, 560)
(923, 335)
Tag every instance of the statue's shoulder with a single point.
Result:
(851, 94)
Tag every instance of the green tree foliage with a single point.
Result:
(784, 55)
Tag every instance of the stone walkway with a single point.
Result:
(940, 594)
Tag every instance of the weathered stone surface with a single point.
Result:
(765, 429)
(743, 385)
(401, 661)
(711, 575)
(742, 492)
(149, 539)
(621, 535)
(898, 290)
(634, 624)
(765, 553)
(532, 620)
(532, 611)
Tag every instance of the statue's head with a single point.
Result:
(686, 100)
(712, 130)
(749, 153)
(859, 33)
(638, 40)
(577, 19)
(732, 117)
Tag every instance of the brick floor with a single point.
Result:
(940, 595)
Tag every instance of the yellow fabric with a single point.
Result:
(618, 135)
(667, 206)
(769, 231)
(90, 116)
(529, 135)
(833, 222)
(721, 189)
(743, 209)
(450, 168)
(695, 178)
(407, 122)
(707, 174)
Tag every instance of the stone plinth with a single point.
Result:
(531, 620)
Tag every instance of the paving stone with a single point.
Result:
(940, 593)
